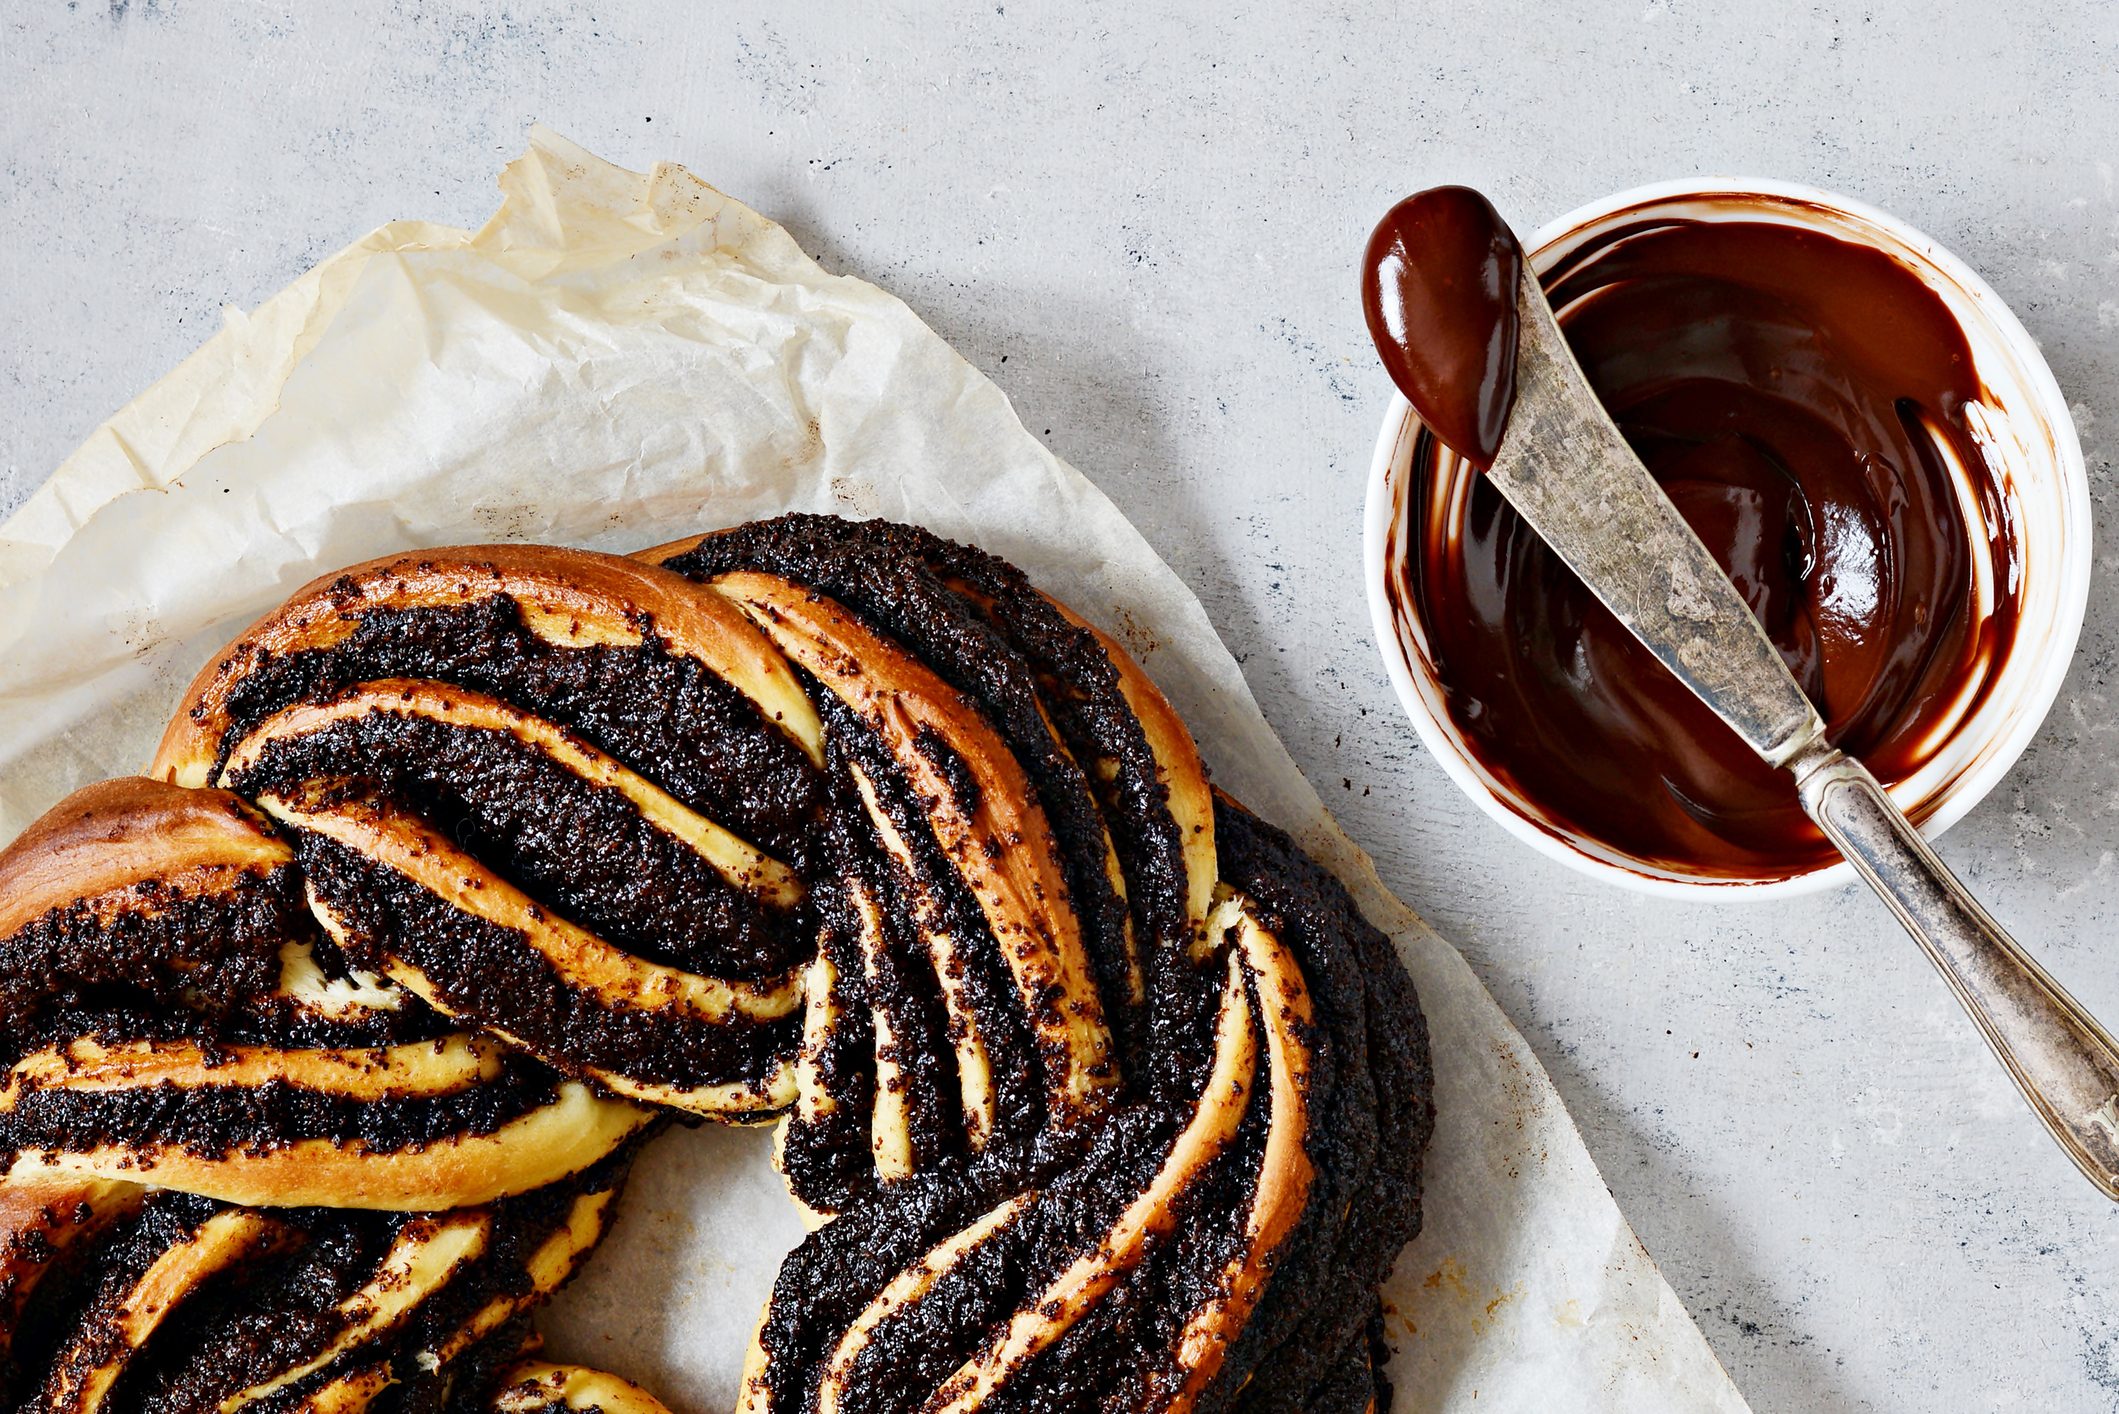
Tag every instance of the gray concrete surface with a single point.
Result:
(1142, 221)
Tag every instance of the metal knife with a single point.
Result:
(1564, 466)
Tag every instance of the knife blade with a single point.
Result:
(1567, 470)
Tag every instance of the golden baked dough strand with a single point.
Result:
(349, 1393)
(1182, 774)
(544, 1145)
(555, 1260)
(96, 847)
(413, 1297)
(140, 894)
(405, 845)
(974, 1065)
(416, 1070)
(998, 842)
(905, 1289)
(890, 1121)
(541, 1387)
(1285, 1174)
(821, 1016)
(569, 598)
(1179, 770)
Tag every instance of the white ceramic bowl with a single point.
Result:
(2023, 427)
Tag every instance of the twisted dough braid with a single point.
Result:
(172, 1023)
(169, 1301)
(329, 1044)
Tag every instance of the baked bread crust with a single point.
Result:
(462, 867)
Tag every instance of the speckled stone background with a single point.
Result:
(1142, 221)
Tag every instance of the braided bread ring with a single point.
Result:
(1093, 1088)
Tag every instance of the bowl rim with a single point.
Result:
(1959, 795)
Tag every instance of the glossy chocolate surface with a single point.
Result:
(1802, 399)
(1438, 286)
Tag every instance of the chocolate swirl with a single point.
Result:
(462, 866)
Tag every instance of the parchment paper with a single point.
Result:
(616, 360)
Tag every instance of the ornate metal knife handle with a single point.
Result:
(2063, 1061)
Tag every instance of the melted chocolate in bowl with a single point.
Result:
(1802, 399)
